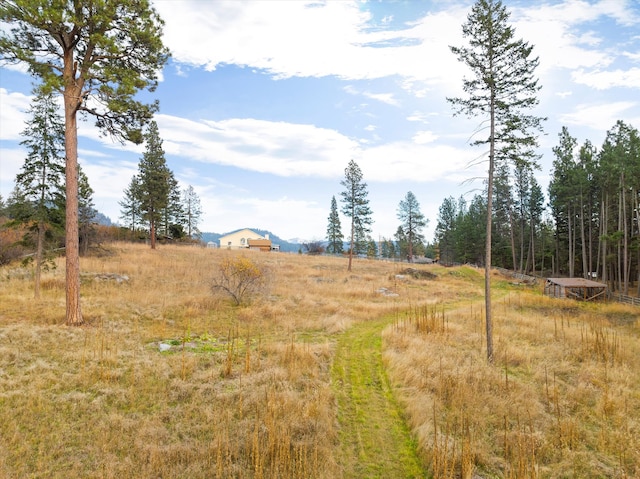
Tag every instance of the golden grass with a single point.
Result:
(246, 391)
(561, 400)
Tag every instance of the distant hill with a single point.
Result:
(285, 246)
(102, 219)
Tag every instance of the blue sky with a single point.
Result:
(264, 103)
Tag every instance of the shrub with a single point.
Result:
(241, 278)
(11, 247)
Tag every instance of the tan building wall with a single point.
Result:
(239, 239)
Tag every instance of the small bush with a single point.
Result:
(241, 278)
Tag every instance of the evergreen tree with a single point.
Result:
(334, 230)
(154, 181)
(41, 179)
(412, 222)
(192, 211)
(372, 247)
(387, 249)
(563, 196)
(445, 230)
(131, 209)
(620, 172)
(473, 233)
(86, 212)
(536, 210)
(173, 218)
(589, 193)
(402, 244)
(501, 89)
(356, 206)
(503, 221)
(523, 176)
(98, 54)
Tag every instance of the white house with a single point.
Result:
(240, 239)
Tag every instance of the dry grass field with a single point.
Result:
(324, 374)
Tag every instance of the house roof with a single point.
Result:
(576, 283)
(248, 232)
(259, 242)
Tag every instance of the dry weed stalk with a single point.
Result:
(574, 376)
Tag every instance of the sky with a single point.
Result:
(264, 103)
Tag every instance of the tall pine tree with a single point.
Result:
(412, 222)
(41, 179)
(192, 209)
(154, 182)
(98, 55)
(355, 205)
(334, 230)
(86, 212)
(501, 89)
(131, 210)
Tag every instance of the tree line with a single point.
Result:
(35, 211)
(589, 227)
(153, 203)
(409, 240)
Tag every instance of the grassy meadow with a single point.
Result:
(324, 374)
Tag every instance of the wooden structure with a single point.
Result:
(260, 244)
(575, 288)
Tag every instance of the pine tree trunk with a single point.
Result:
(72, 254)
(619, 263)
(625, 244)
(351, 245)
(152, 234)
(603, 235)
(583, 239)
(571, 245)
(637, 210)
(487, 263)
(39, 255)
(590, 263)
(513, 241)
(533, 248)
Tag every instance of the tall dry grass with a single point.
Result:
(246, 391)
(243, 391)
(561, 400)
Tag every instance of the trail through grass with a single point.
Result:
(374, 438)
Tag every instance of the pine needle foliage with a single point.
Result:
(501, 91)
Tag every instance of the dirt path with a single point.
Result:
(374, 438)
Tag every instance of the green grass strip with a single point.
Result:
(374, 438)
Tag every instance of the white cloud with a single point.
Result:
(109, 178)
(602, 80)
(10, 164)
(291, 39)
(290, 150)
(407, 161)
(600, 117)
(279, 148)
(13, 114)
(550, 29)
(387, 98)
(423, 137)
